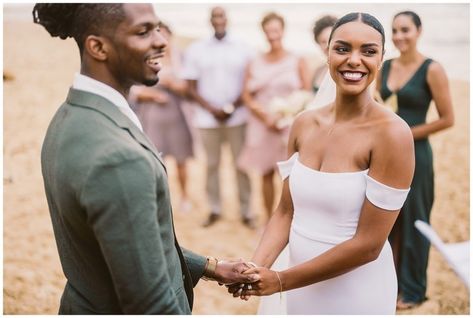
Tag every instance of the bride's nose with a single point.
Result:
(354, 59)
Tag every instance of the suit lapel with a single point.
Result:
(139, 136)
(104, 106)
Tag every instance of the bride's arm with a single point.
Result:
(276, 233)
(392, 163)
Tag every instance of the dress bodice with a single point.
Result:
(413, 99)
(327, 205)
(327, 208)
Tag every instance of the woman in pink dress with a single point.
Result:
(276, 73)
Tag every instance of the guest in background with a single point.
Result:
(159, 109)
(321, 30)
(411, 81)
(275, 73)
(215, 68)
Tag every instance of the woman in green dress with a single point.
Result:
(409, 83)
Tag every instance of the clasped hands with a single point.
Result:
(245, 279)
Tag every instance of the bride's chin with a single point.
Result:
(352, 91)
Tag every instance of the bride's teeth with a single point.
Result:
(352, 75)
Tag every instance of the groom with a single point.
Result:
(105, 183)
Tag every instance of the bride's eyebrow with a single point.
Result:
(369, 45)
(342, 42)
(363, 45)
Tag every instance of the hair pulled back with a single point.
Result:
(321, 24)
(366, 18)
(414, 16)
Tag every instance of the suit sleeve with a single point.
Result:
(195, 263)
(120, 199)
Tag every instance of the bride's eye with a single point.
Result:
(370, 52)
(341, 49)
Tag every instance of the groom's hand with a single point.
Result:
(230, 272)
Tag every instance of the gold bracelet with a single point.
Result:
(280, 287)
(210, 268)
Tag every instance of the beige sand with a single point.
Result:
(33, 280)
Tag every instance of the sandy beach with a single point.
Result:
(42, 69)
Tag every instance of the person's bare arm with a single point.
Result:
(392, 163)
(255, 108)
(438, 83)
(276, 234)
(175, 85)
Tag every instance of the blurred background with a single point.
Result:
(38, 71)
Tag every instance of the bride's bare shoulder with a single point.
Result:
(312, 116)
(390, 127)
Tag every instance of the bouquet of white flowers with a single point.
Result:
(287, 108)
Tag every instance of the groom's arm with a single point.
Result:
(225, 272)
(119, 195)
(196, 264)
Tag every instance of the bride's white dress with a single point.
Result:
(326, 212)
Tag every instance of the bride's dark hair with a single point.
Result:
(78, 20)
(366, 18)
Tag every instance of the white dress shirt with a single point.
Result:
(88, 84)
(218, 66)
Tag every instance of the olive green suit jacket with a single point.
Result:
(109, 201)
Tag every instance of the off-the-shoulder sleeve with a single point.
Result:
(285, 167)
(384, 196)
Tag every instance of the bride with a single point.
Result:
(276, 304)
(350, 167)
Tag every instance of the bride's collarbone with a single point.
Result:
(338, 152)
(340, 131)
(324, 123)
(335, 161)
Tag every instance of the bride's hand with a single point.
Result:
(268, 284)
